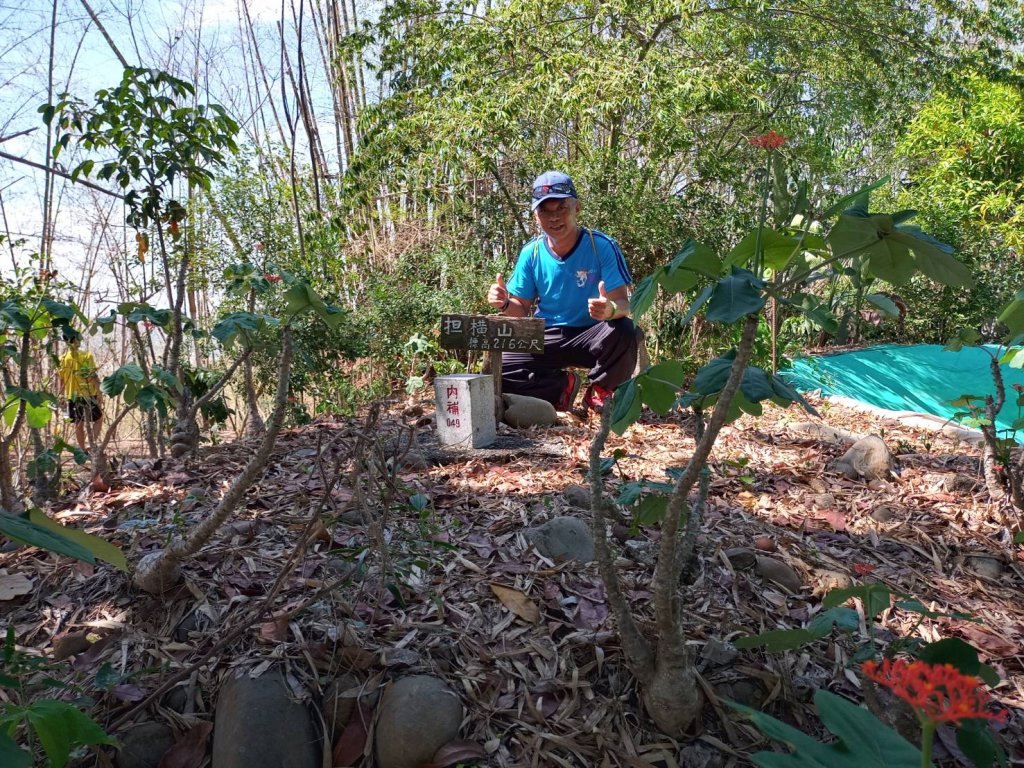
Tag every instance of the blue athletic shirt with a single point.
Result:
(564, 285)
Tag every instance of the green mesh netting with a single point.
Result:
(922, 378)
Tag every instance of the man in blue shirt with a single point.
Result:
(579, 282)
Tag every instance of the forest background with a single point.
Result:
(384, 154)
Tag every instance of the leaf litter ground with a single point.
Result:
(444, 582)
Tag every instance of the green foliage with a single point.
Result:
(199, 381)
(247, 326)
(894, 251)
(37, 406)
(156, 391)
(58, 726)
(36, 529)
(47, 463)
(863, 740)
(963, 154)
(156, 133)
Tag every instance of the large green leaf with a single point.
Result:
(301, 297)
(59, 309)
(240, 324)
(755, 385)
(856, 230)
(887, 245)
(697, 303)
(884, 303)
(123, 377)
(933, 257)
(777, 640)
(11, 755)
(38, 417)
(646, 290)
(297, 299)
(846, 619)
(868, 741)
(962, 655)
(15, 315)
(27, 532)
(626, 406)
(735, 296)
(1012, 315)
(876, 596)
(139, 312)
(864, 741)
(33, 397)
(965, 337)
(787, 395)
(651, 509)
(59, 726)
(99, 547)
(853, 198)
(696, 257)
(679, 281)
(712, 377)
(808, 752)
(778, 248)
(976, 741)
(659, 385)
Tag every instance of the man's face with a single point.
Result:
(557, 218)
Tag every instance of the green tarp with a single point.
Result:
(923, 378)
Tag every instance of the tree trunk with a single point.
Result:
(665, 672)
(255, 427)
(159, 571)
(673, 698)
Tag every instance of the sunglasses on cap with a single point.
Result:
(561, 188)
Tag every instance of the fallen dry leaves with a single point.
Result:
(453, 589)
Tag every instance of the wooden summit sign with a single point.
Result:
(492, 333)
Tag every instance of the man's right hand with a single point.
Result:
(497, 294)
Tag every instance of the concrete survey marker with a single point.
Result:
(465, 410)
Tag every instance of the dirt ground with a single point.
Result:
(397, 577)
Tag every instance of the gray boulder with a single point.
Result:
(418, 715)
(259, 724)
(824, 432)
(563, 538)
(577, 496)
(144, 745)
(779, 572)
(868, 459)
(522, 411)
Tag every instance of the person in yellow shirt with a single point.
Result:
(80, 386)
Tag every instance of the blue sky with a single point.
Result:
(198, 40)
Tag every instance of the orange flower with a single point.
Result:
(938, 692)
(769, 141)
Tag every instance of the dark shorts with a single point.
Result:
(83, 409)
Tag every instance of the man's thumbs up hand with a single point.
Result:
(497, 294)
(601, 308)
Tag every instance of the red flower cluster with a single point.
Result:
(937, 692)
(769, 141)
(863, 569)
(270, 277)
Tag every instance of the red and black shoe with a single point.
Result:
(596, 397)
(572, 387)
